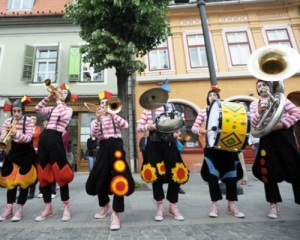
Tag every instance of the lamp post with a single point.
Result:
(210, 60)
(211, 68)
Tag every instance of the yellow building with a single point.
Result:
(236, 30)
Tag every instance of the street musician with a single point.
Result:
(162, 162)
(110, 174)
(19, 166)
(52, 163)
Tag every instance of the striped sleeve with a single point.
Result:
(199, 121)
(65, 113)
(120, 121)
(255, 116)
(292, 116)
(26, 137)
(41, 107)
(95, 128)
(142, 125)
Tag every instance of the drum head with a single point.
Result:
(166, 124)
(213, 122)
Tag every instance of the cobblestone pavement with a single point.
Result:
(137, 220)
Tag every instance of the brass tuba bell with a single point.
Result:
(273, 63)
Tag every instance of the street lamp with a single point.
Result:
(211, 68)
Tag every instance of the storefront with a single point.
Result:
(79, 128)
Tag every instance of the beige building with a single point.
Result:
(236, 30)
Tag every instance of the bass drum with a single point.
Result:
(228, 126)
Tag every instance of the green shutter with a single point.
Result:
(74, 64)
(28, 68)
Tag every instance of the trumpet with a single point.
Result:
(7, 137)
(114, 105)
(50, 88)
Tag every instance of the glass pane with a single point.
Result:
(41, 77)
(203, 57)
(52, 66)
(163, 59)
(194, 57)
(241, 37)
(42, 66)
(51, 75)
(52, 54)
(282, 34)
(43, 54)
(237, 37)
(16, 4)
(97, 76)
(153, 60)
(239, 54)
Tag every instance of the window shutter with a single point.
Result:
(74, 64)
(28, 68)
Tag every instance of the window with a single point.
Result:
(45, 64)
(20, 4)
(197, 52)
(40, 63)
(159, 58)
(278, 36)
(190, 115)
(82, 71)
(239, 47)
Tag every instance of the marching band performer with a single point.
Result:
(52, 163)
(162, 164)
(110, 174)
(18, 169)
(278, 158)
(219, 164)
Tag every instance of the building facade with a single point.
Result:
(37, 43)
(236, 30)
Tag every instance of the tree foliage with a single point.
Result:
(116, 30)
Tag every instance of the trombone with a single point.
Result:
(114, 105)
(7, 137)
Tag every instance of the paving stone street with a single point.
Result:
(137, 220)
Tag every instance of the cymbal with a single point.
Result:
(154, 98)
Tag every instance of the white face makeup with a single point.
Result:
(64, 94)
(263, 89)
(212, 96)
(17, 113)
(103, 105)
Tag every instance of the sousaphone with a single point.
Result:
(273, 63)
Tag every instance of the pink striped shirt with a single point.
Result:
(108, 127)
(146, 118)
(63, 112)
(201, 118)
(20, 137)
(290, 115)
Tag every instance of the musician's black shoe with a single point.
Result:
(30, 196)
(181, 191)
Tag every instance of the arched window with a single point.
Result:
(190, 140)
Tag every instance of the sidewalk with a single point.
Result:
(137, 220)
